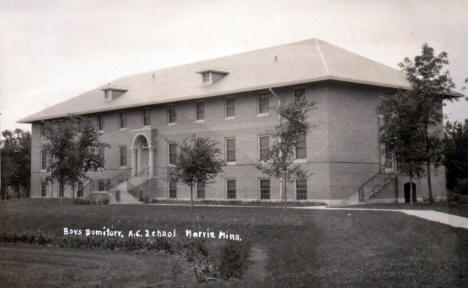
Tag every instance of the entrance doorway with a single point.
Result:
(140, 161)
(407, 192)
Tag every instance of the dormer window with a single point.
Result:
(112, 93)
(211, 76)
(206, 77)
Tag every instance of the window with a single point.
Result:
(301, 147)
(80, 189)
(171, 114)
(230, 107)
(41, 130)
(206, 77)
(263, 103)
(264, 189)
(199, 111)
(231, 189)
(299, 94)
(102, 156)
(43, 159)
(301, 189)
(123, 156)
(172, 153)
(61, 188)
(100, 123)
(230, 149)
(146, 117)
(201, 190)
(264, 147)
(43, 189)
(123, 120)
(172, 189)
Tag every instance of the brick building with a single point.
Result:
(231, 100)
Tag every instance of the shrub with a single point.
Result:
(233, 260)
(79, 201)
(93, 198)
(217, 260)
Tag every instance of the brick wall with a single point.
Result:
(342, 146)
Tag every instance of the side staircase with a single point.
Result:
(368, 191)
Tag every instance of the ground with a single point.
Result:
(299, 248)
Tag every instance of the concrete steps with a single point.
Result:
(371, 188)
(125, 196)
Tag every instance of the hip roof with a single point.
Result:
(296, 63)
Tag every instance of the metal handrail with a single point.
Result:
(385, 182)
(370, 179)
(93, 183)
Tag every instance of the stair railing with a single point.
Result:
(363, 196)
(361, 188)
(132, 188)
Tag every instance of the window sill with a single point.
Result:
(230, 163)
(300, 161)
(43, 170)
(200, 121)
(263, 114)
(230, 118)
(171, 124)
(123, 167)
(122, 129)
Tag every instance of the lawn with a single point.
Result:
(303, 248)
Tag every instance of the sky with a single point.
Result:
(53, 50)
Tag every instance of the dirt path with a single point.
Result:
(257, 270)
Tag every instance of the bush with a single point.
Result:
(213, 260)
(93, 198)
(233, 260)
(80, 201)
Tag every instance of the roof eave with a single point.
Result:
(192, 97)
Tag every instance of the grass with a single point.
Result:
(33, 266)
(304, 248)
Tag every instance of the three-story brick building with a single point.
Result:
(232, 100)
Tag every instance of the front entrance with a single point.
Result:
(407, 192)
(140, 161)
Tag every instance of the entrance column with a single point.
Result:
(134, 162)
(150, 161)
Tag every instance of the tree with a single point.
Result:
(293, 127)
(456, 152)
(402, 134)
(198, 160)
(71, 145)
(16, 160)
(430, 83)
